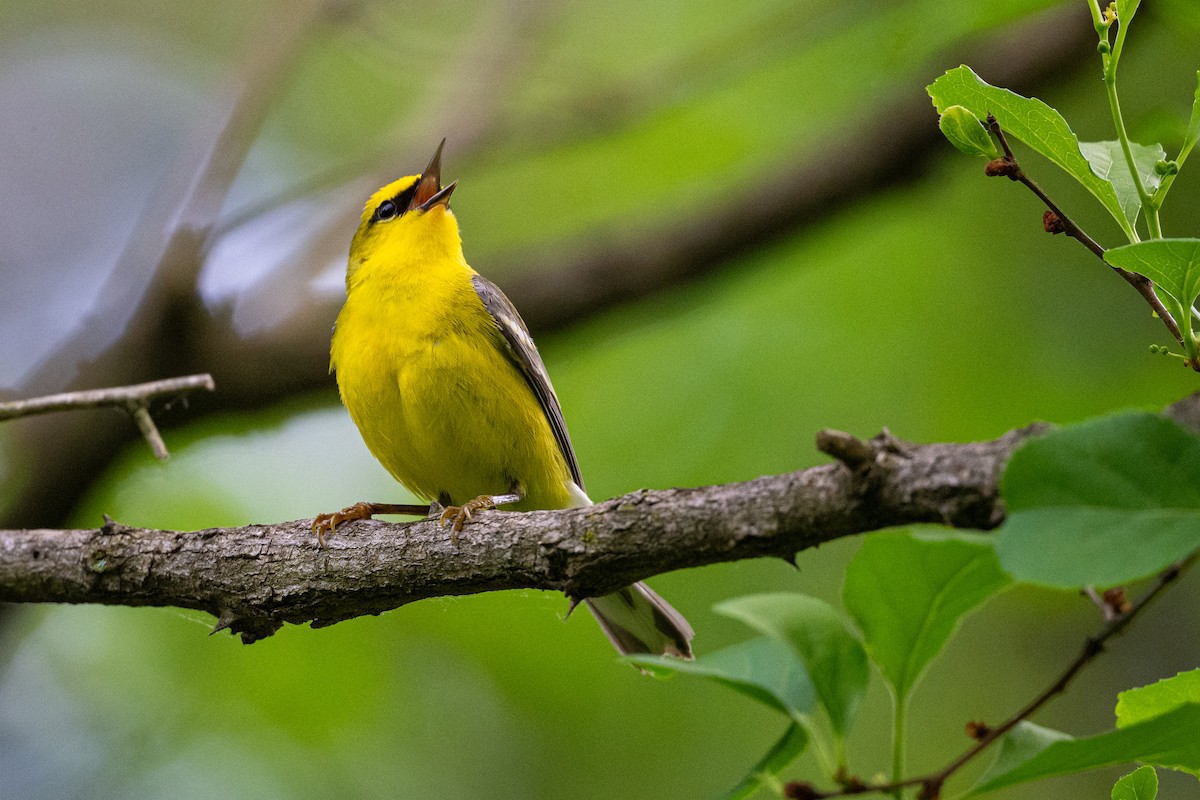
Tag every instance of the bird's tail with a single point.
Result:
(636, 620)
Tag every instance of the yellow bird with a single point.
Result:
(439, 373)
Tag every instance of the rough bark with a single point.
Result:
(255, 578)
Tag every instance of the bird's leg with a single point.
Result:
(460, 514)
(327, 523)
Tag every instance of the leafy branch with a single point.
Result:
(1056, 221)
(1130, 180)
(1118, 617)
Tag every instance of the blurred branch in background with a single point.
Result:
(255, 578)
(151, 295)
(171, 326)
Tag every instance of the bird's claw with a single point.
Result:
(327, 523)
(460, 514)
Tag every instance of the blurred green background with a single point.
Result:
(930, 303)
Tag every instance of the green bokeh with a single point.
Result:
(937, 309)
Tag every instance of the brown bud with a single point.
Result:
(978, 730)
(1115, 599)
(1053, 223)
(1001, 166)
(801, 790)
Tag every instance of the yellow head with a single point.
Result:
(408, 218)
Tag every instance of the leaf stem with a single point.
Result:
(1153, 226)
(899, 723)
(1110, 60)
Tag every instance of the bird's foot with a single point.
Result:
(327, 523)
(460, 514)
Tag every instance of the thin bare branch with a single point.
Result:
(121, 396)
(134, 399)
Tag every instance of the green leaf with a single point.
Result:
(1141, 784)
(964, 130)
(1107, 160)
(1173, 265)
(1019, 745)
(1168, 740)
(1101, 503)
(763, 669)
(908, 591)
(1125, 11)
(1193, 128)
(1029, 120)
(834, 658)
(782, 753)
(1145, 702)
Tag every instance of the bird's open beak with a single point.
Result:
(429, 189)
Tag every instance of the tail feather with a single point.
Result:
(636, 620)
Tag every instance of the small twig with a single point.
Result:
(1092, 647)
(845, 447)
(931, 784)
(1105, 609)
(1060, 222)
(134, 399)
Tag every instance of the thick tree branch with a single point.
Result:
(257, 577)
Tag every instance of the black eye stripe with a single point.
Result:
(396, 206)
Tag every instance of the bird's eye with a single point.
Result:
(386, 210)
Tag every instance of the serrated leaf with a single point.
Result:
(1107, 160)
(1029, 120)
(783, 752)
(1101, 503)
(1145, 702)
(1173, 265)
(763, 669)
(964, 130)
(1019, 745)
(908, 591)
(1141, 784)
(1168, 740)
(834, 659)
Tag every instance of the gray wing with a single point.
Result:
(524, 354)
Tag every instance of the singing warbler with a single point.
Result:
(439, 373)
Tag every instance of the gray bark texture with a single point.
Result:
(257, 577)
